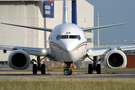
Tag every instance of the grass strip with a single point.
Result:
(67, 84)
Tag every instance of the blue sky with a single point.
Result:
(113, 12)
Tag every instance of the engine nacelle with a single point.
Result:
(19, 59)
(115, 59)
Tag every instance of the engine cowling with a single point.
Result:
(115, 59)
(19, 59)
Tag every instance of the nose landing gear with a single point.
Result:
(67, 70)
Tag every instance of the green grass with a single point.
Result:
(67, 84)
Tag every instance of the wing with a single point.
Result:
(92, 28)
(31, 27)
(97, 51)
(129, 47)
(29, 50)
(104, 50)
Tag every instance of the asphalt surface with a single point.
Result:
(117, 75)
(79, 76)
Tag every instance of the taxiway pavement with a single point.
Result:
(119, 75)
(79, 76)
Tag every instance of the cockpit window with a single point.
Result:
(64, 37)
(78, 37)
(72, 36)
(68, 37)
(58, 37)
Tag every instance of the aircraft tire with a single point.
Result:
(67, 71)
(43, 69)
(90, 69)
(34, 69)
(98, 69)
(70, 72)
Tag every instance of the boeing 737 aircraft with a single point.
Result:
(68, 44)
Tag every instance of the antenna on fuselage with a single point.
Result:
(65, 11)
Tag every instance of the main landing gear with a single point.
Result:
(67, 70)
(38, 66)
(94, 67)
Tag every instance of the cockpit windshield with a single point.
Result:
(68, 37)
(72, 36)
(64, 37)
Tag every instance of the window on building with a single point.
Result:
(89, 40)
(90, 31)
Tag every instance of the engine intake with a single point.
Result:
(19, 59)
(115, 59)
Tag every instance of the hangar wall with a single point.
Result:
(85, 18)
(23, 13)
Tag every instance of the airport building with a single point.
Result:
(39, 13)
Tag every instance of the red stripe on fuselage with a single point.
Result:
(58, 47)
(79, 47)
(72, 50)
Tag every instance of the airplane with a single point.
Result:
(68, 44)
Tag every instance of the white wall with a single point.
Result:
(23, 13)
(85, 17)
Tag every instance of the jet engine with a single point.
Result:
(115, 59)
(19, 59)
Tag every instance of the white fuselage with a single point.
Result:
(68, 43)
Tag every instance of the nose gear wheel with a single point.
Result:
(67, 70)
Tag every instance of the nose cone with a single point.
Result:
(69, 45)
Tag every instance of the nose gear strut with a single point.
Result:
(39, 66)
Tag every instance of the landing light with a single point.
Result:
(89, 50)
(44, 51)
